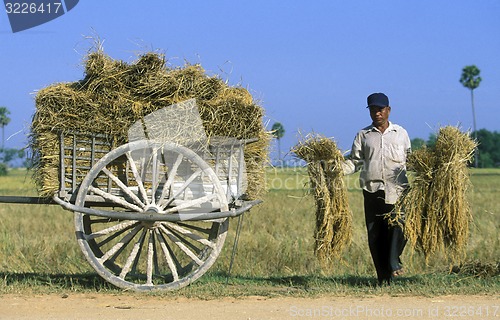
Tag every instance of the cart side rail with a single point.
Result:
(79, 152)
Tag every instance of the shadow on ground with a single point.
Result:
(296, 283)
(89, 281)
(308, 281)
(92, 281)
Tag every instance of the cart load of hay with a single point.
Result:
(437, 210)
(333, 231)
(114, 94)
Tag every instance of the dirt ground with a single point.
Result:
(102, 306)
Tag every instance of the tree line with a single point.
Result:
(7, 155)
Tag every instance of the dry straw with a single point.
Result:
(438, 213)
(114, 94)
(333, 232)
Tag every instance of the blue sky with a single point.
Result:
(310, 64)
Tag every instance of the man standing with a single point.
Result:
(380, 151)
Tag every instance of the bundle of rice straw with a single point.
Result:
(437, 210)
(114, 94)
(333, 230)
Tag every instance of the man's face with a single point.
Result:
(380, 115)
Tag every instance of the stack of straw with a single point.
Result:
(114, 94)
(333, 230)
(437, 210)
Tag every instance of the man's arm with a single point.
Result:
(354, 161)
(407, 145)
(348, 166)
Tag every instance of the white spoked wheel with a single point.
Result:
(160, 178)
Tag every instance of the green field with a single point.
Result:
(39, 252)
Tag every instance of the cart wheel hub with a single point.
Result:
(150, 209)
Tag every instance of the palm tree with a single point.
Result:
(278, 132)
(4, 120)
(470, 79)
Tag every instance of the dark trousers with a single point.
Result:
(386, 241)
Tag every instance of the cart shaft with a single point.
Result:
(26, 200)
(44, 200)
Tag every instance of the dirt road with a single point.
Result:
(102, 306)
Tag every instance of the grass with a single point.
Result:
(275, 254)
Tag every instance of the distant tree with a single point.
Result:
(485, 160)
(4, 120)
(489, 148)
(278, 132)
(417, 143)
(6, 154)
(470, 79)
(431, 142)
(9, 154)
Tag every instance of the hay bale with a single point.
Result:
(333, 231)
(114, 94)
(438, 213)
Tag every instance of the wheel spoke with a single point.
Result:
(123, 187)
(195, 227)
(142, 173)
(115, 199)
(137, 176)
(115, 228)
(149, 270)
(191, 203)
(133, 256)
(193, 176)
(188, 233)
(123, 242)
(168, 256)
(111, 237)
(168, 183)
(154, 174)
(194, 246)
(181, 246)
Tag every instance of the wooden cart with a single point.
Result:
(149, 215)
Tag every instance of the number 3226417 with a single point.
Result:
(31, 8)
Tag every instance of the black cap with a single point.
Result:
(377, 99)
